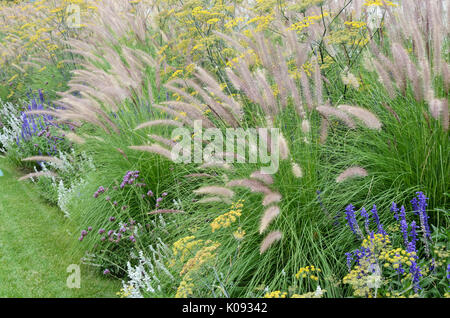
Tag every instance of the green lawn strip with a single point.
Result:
(37, 244)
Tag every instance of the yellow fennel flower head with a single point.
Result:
(276, 294)
(185, 247)
(185, 289)
(308, 271)
(226, 219)
(201, 257)
(125, 292)
(239, 234)
(380, 3)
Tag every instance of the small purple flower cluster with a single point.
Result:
(112, 235)
(99, 191)
(158, 200)
(84, 233)
(129, 178)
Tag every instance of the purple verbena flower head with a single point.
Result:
(106, 272)
(101, 231)
(112, 219)
(99, 191)
(129, 178)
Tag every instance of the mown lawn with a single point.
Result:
(36, 246)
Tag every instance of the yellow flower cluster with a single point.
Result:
(262, 21)
(185, 289)
(276, 294)
(196, 21)
(239, 234)
(36, 30)
(355, 24)
(380, 3)
(203, 256)
(185, 247)
(351, 37)
(193, 254)
(378, 242)
(225, 220)
(308, 21)
(442, 255)
(358, 279)
(308, 271)
(125, 292)
(397, 257)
